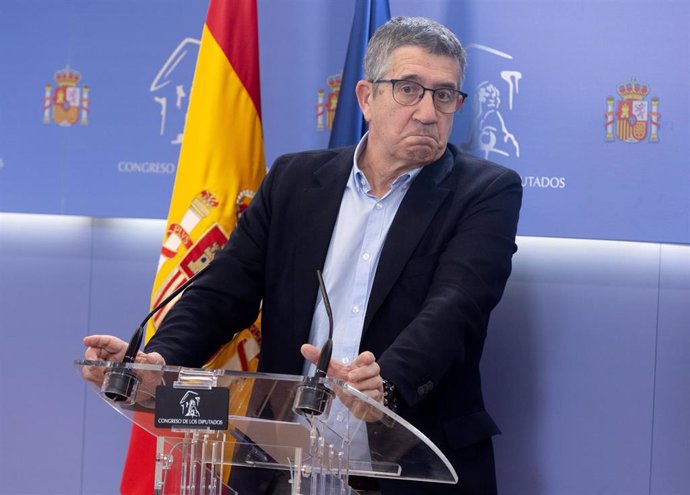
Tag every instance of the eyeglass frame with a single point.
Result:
(424, 90)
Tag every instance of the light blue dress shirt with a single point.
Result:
(353, 255)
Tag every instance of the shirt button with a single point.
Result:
(379, 206)
(366, 256)
(355, 309)
(346, 360)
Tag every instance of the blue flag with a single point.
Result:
(348, 123)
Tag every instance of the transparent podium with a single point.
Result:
(223, 432)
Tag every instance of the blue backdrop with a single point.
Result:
(586, 100)
(586, 367)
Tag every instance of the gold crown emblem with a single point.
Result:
(334, 82)
(67, 77)
(633, 90)
(203, 203)
(208, 199)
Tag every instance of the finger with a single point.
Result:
(364, 372)
(310, 353)
(364, 359)
(151, 358)
(98, 354)
(335, 369)
(91, 354)
(373, 383)
(97, 340)
(93, 374)
(110, 344)
(102, 354)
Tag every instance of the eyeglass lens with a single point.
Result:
(410, 92)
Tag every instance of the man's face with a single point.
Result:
(408, 136)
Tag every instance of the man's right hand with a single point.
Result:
(110, 348)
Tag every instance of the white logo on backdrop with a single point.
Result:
(490, 131)
(171, 89)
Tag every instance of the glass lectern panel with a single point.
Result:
(266, 428)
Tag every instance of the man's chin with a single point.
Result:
(424, 154)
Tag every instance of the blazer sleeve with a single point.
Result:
(227, 298)
(467, 283)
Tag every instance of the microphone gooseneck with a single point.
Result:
(313, 397)
(121, 382)
(135, 342)
(327, 349)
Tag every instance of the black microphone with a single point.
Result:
(312, 396)
(327, 349)
(121, 382)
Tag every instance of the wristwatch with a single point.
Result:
(390, 395)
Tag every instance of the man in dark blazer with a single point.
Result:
(441, 267)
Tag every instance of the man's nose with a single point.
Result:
(426, 111)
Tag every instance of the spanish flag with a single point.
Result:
(221, 166)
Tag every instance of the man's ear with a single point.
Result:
(364, 91)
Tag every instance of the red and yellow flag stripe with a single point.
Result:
(220, 166)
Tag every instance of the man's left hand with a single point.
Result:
(363, 374)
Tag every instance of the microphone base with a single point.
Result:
(313, 398)
(120, 385)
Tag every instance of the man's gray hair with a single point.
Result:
(425, 33)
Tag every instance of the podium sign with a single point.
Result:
(263, 429)
(178, 407)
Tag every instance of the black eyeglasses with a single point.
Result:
(408, 93)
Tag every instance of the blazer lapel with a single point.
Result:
(319, 203)
(416, 211)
